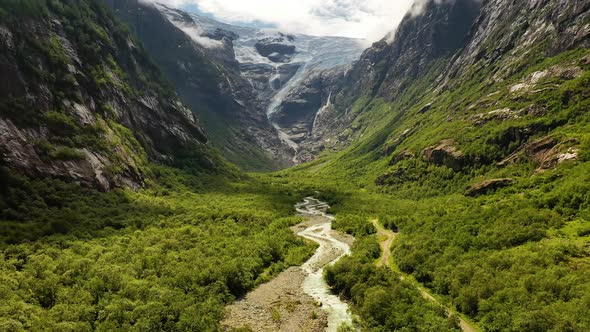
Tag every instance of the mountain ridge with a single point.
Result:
(252, 75)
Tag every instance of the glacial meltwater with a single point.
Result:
(330, 250)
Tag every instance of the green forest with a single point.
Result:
(167, 258)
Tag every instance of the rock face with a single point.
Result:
(277, 49)
(290, 74)
(234, 77)
(503, 32)
(202, 66)
(303, 107)
(496, 115)
(545, 153)
(487, 186)
(449, 41)
(384, 70)
(445, 154)
(89, 107)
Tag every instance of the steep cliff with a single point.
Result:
(440, 46)
(81, 100)
(203, 68)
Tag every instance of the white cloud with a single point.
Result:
(368, 19)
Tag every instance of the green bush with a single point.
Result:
(60, 124)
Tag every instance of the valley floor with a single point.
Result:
(285, 303)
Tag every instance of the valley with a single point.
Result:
(161, 170)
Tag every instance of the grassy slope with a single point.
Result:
(514, 259)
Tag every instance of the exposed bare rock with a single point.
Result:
(283, 74)
(90, 169)
(453, 42)
(503, 114)
(299, 108)
(561, 71)
(545, 153)
(82, 123)
(548, 157)
(537, 151)
(534, 151)
(445, 154)
(210, 80)
(393, 145)
(425, 108)
(503, 36)
(403, 155)
(277, 49)
(487, 186)
(535, 111)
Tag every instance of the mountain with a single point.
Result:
(455, 151)
(82, 100)
(436, 42)
(274, 62)
(208, 80)
(233, 77)
(467, 133)
(325, 102)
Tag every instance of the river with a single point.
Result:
(330, 250)
(298, 299)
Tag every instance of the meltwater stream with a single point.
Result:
(329, 251)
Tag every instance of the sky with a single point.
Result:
(365, 19)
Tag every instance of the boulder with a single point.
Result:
(403, 155)
(486, 186)
(538, 151)
(546, 153)
(425, 108)
(503, 114)
(445, 154)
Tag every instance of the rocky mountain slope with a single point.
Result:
(234, 77)
(447, 43)
(204, 71)
(81, 99)
(274, 64)
(477, 150)
(384, 70)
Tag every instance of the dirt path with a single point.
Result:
(298, 299)
(385, 238)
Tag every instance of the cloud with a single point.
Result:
(367, 19)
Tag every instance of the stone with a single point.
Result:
(445, 154)
(403, 155)
(503, 114)
(487, 186)
(425, 108)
